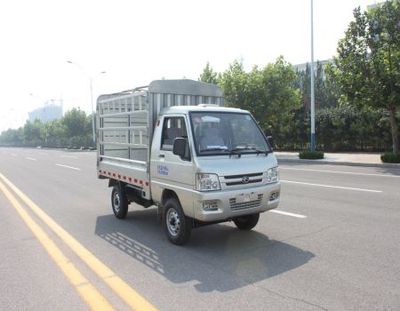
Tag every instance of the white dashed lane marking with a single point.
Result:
(70, 167)
(287, 214)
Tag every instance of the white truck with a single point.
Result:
(172, 144)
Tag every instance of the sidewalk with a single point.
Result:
(360, 159)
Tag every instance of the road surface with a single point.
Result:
(333, 244)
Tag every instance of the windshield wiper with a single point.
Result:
(247, 147)
(266, 152)
(235, 151)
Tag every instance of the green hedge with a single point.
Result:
(311, 155)
(390, 158)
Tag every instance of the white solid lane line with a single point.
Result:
(287, 213)
(330, 186)
(70, 167)
(337, 172)
(31, 159)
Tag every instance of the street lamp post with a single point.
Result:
(91, 95)
(93, 120)
(312, 145)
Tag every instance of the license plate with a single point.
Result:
(245, 197)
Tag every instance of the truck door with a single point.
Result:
(169, 171)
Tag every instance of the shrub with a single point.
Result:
(390, 158)
(311, 155)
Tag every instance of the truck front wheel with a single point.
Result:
(247, 222)
(119, 202)
(177, 226)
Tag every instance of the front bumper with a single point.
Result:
(223, 205)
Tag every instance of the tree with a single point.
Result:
(368, 62)
(208, 75)
(234, 82)
(32, 133)
(331, 87)
(326, 92)
(76, 123)
(55, 133)
(269, 93)
(12, 137)
(74, 129)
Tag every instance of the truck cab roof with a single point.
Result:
(200, 108)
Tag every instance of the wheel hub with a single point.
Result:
(173, 222)
(116, 202)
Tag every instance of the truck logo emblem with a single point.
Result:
(245, 179)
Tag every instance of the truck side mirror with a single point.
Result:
(270, 141)
(181, 148)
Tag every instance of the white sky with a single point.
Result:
(136, 42)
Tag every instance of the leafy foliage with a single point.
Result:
(279, 99)
(311, 155)
(390, 158)
(73, 130)
(326, 89)
(268, 93)
(368, 62)
(345, 128)
(209, 75)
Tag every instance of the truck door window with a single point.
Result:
(173, 127)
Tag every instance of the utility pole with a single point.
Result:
(312, 144)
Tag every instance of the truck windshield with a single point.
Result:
(217, 133)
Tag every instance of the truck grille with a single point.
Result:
(243, 205)
(243, 179)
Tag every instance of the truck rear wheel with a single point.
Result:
(119, 202)
(177, 226)
(247, 222)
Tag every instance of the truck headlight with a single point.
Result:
(207, 182)
(272, 175)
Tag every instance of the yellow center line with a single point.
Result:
(119, 286)
(86, 290)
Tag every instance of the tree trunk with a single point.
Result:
(395, 129)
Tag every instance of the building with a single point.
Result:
(51, 110)
(303, 67)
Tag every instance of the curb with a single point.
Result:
(313, 162)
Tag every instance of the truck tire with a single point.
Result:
(177, 226)
(247, 222)
(119, 202)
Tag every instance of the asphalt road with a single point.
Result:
(333, 244)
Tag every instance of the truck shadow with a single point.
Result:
(217, 258)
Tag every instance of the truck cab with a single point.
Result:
(216, 162)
